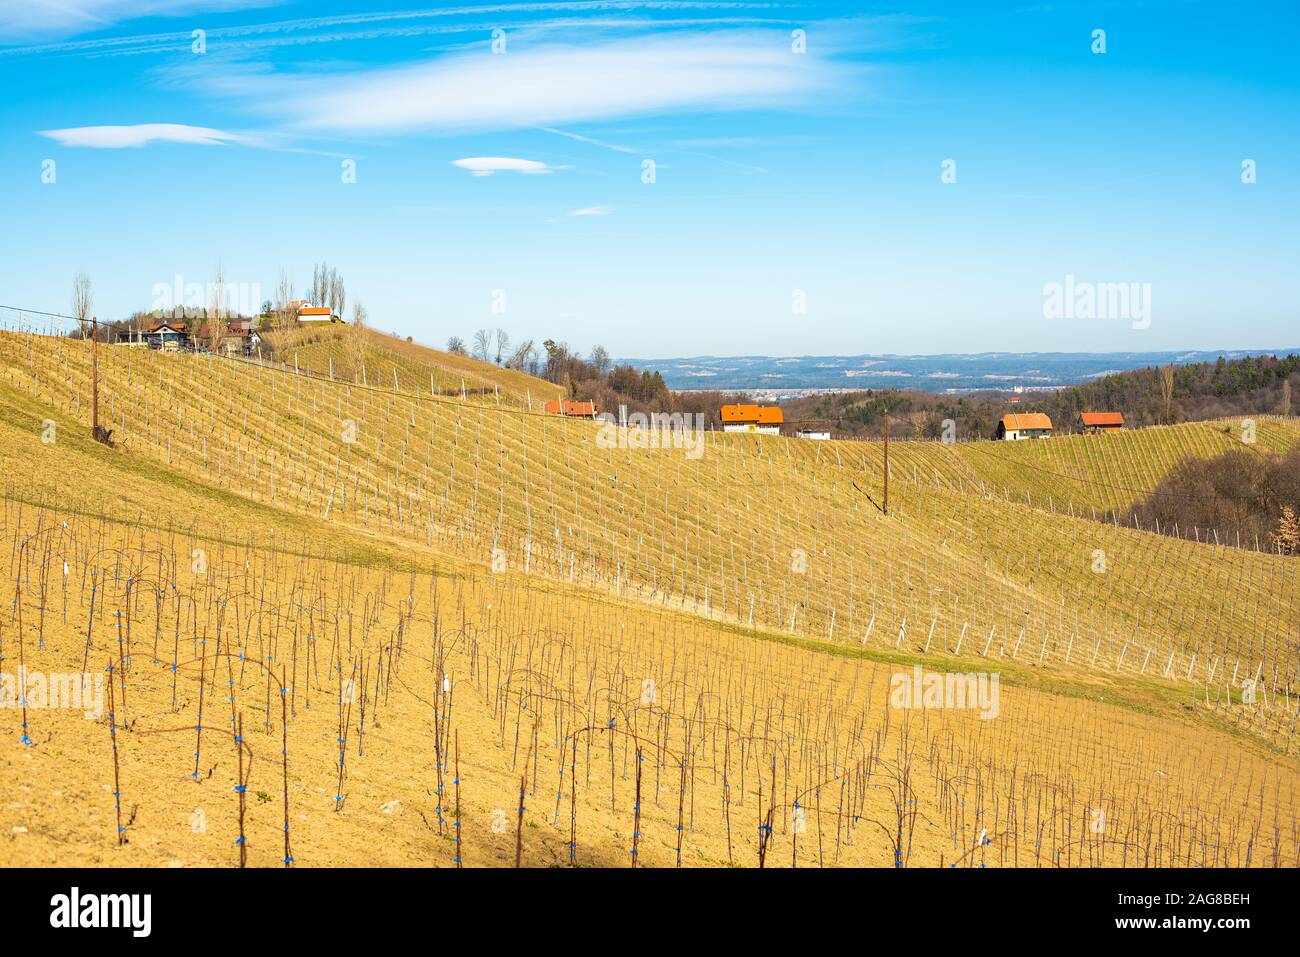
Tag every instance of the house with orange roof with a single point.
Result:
(1024, 425)
(570, 407)
(167, 336)
(1094, 422)
(763, 419)
(312, 314)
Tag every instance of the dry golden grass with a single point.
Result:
(736, 733)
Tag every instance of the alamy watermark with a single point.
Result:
(658, 430)
(190, 299)
(976, 690)
(41, 691)
(1074, 299)
(133, 912)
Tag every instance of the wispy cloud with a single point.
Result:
(142, 134)
(64, 20)
(487, 165)
(593, 211)
(540, 86)
(30, 19)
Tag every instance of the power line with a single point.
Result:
(38, 312)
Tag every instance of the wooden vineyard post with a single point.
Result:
(636, 810)
(94, 376)
(519, 827)
(117, 777)
(886, 505)
(284, 752)
(456, 785)
(573, 803)
(242, 790)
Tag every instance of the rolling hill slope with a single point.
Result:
(425, 600)
(363, 356)
(762, 532)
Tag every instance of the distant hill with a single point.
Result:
(1200, 391)
(777, 376)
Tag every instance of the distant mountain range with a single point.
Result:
(790, 376)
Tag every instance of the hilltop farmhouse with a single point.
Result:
(314, 314)
(763, 419)
(1094, 422)
(1024, 425)
(571, 407)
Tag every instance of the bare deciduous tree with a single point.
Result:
(1167, 390)
(82, 300)
(318, 291)
(283, 296)
(359, 320)
(482, 344)
(456, 346)
(336, 293)
(1287, 535)
(523, 355)
(503, 344)
(600, 359)
(217, 310)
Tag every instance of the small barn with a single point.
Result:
(1024, 425)
(571, 407)
(1092, 422)
(763, 419)
(817, 435)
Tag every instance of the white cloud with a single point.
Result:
(24, 19)
(544, 85)
(121, 137)
(487, 165)
(593, 211)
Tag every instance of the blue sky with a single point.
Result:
(780, 177)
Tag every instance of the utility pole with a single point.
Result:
(94, 377)
(886, 509)
(97, 432)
